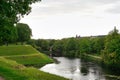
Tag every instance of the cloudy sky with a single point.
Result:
(56, 19)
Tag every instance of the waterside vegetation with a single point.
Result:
(106, 47)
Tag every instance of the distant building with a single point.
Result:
(78, 36)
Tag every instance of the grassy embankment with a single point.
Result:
(13, 70)
(25, 55)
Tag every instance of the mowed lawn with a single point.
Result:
(24, 54)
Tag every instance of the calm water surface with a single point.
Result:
(75, 69)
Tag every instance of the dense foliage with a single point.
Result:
(10, 13)
(8, 34)
(19, 33)
(111, 53)
(12, 10)
(70, 47)
(24, 32)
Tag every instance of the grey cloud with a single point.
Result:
(68, 6)
(115, 9)
(82, 1)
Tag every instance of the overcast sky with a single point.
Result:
(56, 19)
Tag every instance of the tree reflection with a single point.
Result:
(84, 70)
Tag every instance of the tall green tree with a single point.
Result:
(8, 34)
(58, 48)
(97, 45)
(111, 53)
(11, 12)
(24, 32)
(71, 47)
(84, 45)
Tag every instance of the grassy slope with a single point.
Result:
(11, 70)
(26, 55)
(17, 50)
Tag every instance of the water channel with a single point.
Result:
(75, 69)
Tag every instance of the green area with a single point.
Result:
(14, 57)
(32, 60)
(13, 50)
(11, 70)
(24, 54)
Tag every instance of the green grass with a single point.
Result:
(24, 54)
(37, 60)
(17, 50)
(11, 70)
(14, 57)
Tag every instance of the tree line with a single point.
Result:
(107, 47)
(70, 47)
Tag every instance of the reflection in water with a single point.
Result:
(75, 69)
(84, 70)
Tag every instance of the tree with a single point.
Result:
(111, 53)
(10, 13)
(71, 47)
(12, 10)
(84, 45)
(43, 44)
(8, 34)
(24, 32)
(97, 45)
(58, 48)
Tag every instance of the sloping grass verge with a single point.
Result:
(37, 60)
(24, 54)
(17, 50)
(11, 70)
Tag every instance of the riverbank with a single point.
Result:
(94, 58)
(98, 59)
(13, 58)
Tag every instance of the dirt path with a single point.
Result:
(2, 78)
